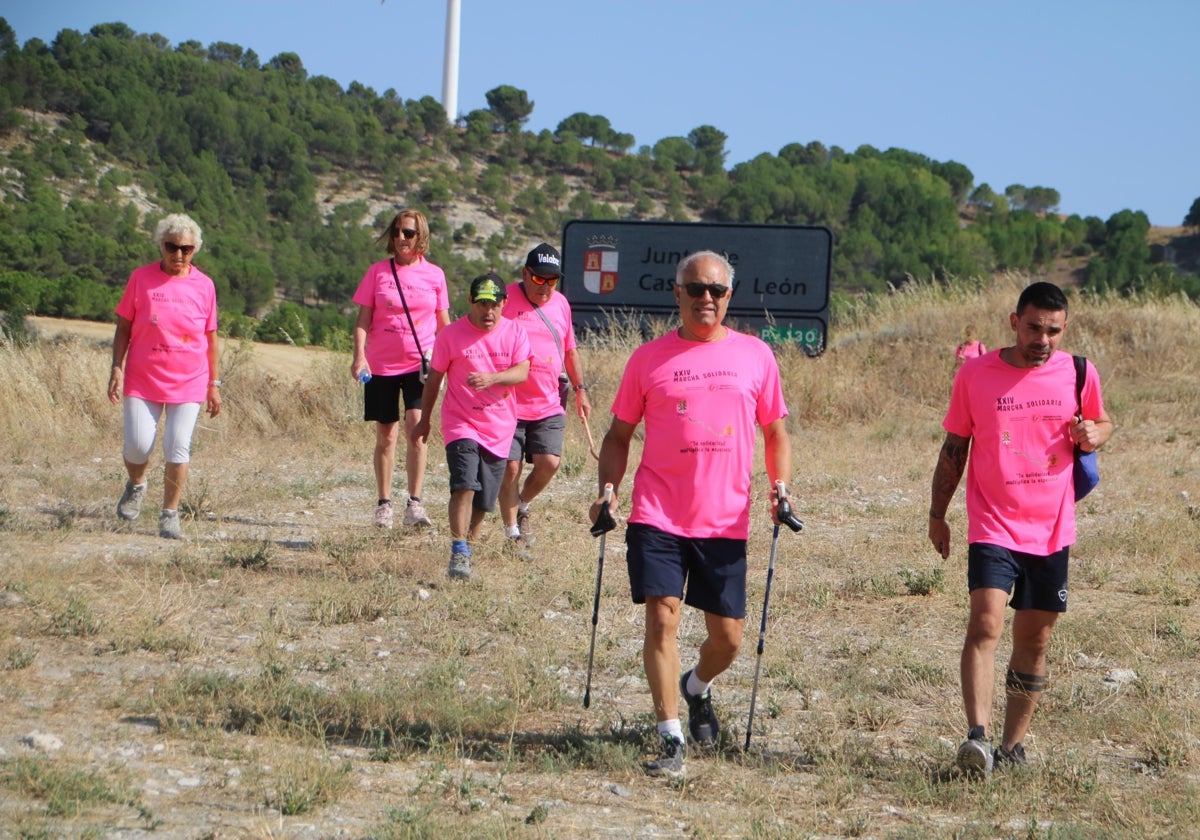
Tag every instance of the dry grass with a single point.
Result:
(290, 672)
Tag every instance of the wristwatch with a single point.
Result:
(216, 383)
(580, 387)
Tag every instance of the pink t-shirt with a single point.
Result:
(167, 360)
(489, 416)
(537, 396)
(390, 347)
(700, 402)
(1020, 488)
(969, 350)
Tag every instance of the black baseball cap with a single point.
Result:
(544, 261)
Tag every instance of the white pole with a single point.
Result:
(450, 66)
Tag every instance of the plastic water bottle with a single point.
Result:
(364, 376)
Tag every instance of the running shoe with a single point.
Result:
(414, 513)
(460, 562)
(168, 525)
(670, 762)
(975, 756)
(131, 501)
(383, 516)
(1014, 757)
(702, 720)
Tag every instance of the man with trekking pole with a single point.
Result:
(700, 390)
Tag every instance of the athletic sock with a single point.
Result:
(670, 727)
(695, 685)
(512, 531)
(522, 507)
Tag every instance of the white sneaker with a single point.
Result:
(168, 525)
(414, 513)
(130, 504)
(383, 516)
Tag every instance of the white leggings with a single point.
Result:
(141, 425)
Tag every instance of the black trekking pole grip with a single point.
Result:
(783, 511)
(587, 691)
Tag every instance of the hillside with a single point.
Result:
(292, 176)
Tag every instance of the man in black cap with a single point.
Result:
(481, 357)
(542, 398)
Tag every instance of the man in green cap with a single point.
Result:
(480, 357)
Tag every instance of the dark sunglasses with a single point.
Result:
(405, 232)
(697, 290)
(172, 247)
(544, 281)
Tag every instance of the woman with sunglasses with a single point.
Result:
(403, 302)
(165, 362)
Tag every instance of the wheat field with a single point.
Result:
(289, 671)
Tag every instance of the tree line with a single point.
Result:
(241, 144)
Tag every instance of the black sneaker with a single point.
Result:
(1011, 758)
(975, 757)
(670, 763)
(702, 720)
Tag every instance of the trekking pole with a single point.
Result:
(784, 515)
(604, 524)
(591, 443)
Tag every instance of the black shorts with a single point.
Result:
(714, 570)
(381, 396)
(474, 468)
(538, 437)
(1035, 582)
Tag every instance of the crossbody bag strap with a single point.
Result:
(549, 326)
(404, 306)
(1080, 377)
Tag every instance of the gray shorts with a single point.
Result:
(538, 437)
(474, 468)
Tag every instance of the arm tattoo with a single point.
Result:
(952, 460)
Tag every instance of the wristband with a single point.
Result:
(216, 383)
(580, 387)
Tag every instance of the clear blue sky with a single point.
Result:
(1096, 99)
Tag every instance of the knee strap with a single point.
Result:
(1027, 683)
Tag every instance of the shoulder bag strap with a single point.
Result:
(1080, 377)
(549, 326)
(404, 304)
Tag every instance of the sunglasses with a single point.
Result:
(172, 247)
(405, 232)
(697, 290)
(543, 281)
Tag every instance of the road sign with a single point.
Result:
(627, 269)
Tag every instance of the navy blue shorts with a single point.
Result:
(381, 396)
(474, 468)
(714, 570)
(538, 437)
(1035, 582)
